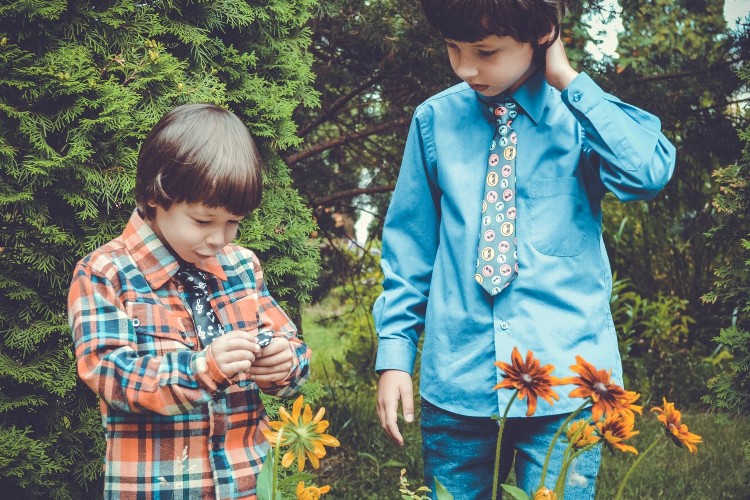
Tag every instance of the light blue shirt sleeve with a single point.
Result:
(623, 143)
(412, 226)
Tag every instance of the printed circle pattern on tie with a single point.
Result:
(497, 262)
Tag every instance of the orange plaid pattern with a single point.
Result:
(176, 427)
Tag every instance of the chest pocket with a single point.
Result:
(560, 224)
(240, 314)
(158, 331)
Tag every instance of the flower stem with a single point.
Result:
(630, 471)
(554, 440)
(499, 444)
(276, 453)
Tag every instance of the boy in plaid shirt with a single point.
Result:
(182, 412)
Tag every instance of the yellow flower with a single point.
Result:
(670, 419)
(530, 378)
(596, 384)
(311, 492)
(580, 434)
(545, 494)
(615, 429)
(302, 434)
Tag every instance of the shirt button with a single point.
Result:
(217, 447)
(183, 335)
(577, 95)
(504, 325)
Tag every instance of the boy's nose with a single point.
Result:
(465, 70)
(217, 240)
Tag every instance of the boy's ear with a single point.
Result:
(547, 39)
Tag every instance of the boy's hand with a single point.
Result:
(395, 385)
(274, 362)
(234, 352)
(558, 71)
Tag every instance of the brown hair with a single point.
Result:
(473, 20)
(199, 153)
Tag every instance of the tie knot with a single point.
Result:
(193, 279)
(504, 112)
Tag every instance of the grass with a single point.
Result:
(367, 464)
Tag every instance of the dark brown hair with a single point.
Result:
(199, 153)
(473, 20)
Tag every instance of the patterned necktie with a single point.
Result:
(206, 323)
(497, 262)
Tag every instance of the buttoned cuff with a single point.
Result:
(396, 354)
(583, 94)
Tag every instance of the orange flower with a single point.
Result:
(303, 434)
(596, 384)
(530, 379)
(670, 419)
(615, 429)
(311, 492)
(545, 494)
(580, 434)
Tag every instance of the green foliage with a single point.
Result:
(671, 472)
(730, 391)
(653, 339)
(676, 61)
(81, 85)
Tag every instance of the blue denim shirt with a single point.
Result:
(573, 147)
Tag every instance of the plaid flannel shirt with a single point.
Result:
(176, 427)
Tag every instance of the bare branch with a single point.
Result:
(339, 103)
(344, 139)
(351, 193)
(668, 76)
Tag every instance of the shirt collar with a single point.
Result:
(153, 258)
(531, 96)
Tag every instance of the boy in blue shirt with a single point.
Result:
(549, 272)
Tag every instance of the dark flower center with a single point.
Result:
(526, 378)
(600, 388)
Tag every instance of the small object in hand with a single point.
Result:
(264, 338)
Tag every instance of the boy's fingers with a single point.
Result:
(407, 402)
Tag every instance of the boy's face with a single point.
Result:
(192, 230)
(492, 65)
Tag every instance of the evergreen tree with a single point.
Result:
(81, 84)
(730, 391)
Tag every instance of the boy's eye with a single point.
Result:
(202, 222)
(487, 53)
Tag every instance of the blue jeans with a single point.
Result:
(460, 452)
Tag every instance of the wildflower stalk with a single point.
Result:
(276, 454)
(499, 444)
(569, 457)
(632, 467)
(555, 438)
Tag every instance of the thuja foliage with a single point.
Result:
(81, 84)
(730, 391)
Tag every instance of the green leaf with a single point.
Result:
(441, 492)
(515, 492)
(296, 477)
(264, 484)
